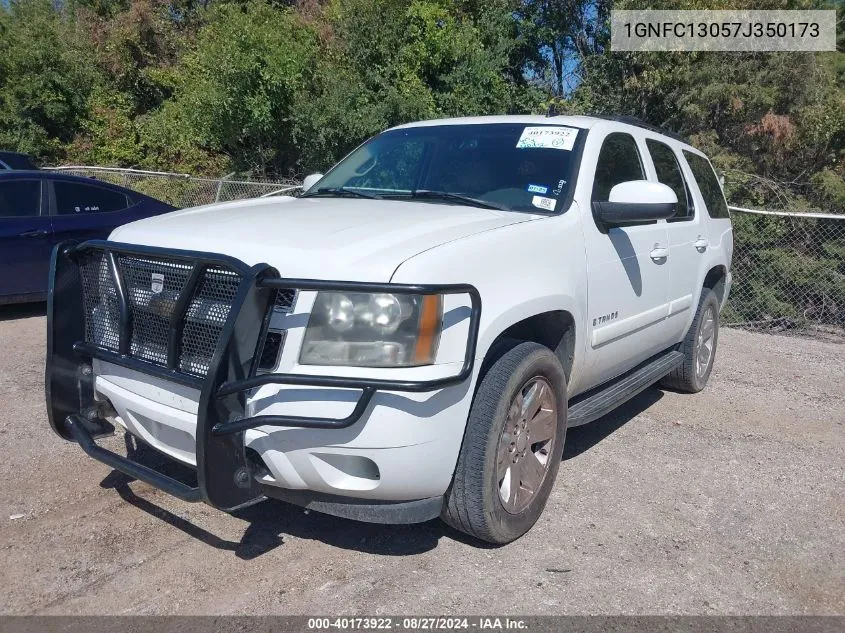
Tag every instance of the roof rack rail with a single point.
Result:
(631, 120)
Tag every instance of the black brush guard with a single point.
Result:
(224, 472)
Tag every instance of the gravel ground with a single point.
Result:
(725, 502)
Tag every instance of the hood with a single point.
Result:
(322, 238)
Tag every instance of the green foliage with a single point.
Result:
(830, 188)
(386, 62)
(109, 135)
(777, 115)
(46, 75)
(249, 85)
(239, 84)
(283, 87)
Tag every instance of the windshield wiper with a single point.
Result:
(341, 191)
(455, 197)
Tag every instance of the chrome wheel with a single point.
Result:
(526, 443)
(705, 342)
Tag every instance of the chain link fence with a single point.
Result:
(788, 268)
(183, 190)
(788, 272)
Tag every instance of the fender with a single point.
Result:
(521, 270)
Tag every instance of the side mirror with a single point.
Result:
(636, 201)
(310, 181)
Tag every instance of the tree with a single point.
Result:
(237, 88)
(46, 77)
(384, 62)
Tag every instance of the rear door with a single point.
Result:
(628, 275)
(25, 237)
(687, 237)
(84, 211)
(712, 201)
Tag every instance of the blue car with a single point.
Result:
(39, 209)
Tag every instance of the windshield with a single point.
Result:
(515, 167)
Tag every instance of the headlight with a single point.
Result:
(373, 330)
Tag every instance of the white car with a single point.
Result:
(412, 336)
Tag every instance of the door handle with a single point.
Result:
(34, 233)
(659, 252)
(701, 243)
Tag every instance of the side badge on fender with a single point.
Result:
(605, 318)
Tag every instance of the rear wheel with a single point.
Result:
(512, 446)
(699, 347)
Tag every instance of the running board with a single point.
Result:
(598, 402)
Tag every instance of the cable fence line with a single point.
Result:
(788, 267)
(183, 190)
(789, 214)
(788, 272)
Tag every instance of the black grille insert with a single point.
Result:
(285, 299)
(205, 317)
(99, 301)
(153, 286)
(271, 351)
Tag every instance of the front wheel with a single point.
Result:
(512, 446)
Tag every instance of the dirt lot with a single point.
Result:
(729, 501)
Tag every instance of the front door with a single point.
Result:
(25, 238)
(627, 272)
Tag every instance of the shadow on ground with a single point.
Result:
(268, 522)
(583, 438)
(22, 311)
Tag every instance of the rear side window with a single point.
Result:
(74, 198)
(708, 184)
(669, 173)
(20, 198)
(619, 161)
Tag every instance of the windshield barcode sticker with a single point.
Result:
(547, 137)
(544, 203)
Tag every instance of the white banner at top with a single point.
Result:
(741, 31)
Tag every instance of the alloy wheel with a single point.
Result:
(526, 443)
(705, 342)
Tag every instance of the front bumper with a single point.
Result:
(226, 475)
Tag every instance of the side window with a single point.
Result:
(708, 184)
(20, 198)
(619, 161)
(73, 198)
(669, 173)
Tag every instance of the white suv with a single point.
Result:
(412, 336)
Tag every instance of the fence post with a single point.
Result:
(220, 185)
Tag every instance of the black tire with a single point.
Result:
(685, 378)
(473, 504)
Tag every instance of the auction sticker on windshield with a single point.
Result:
(544, 203)
(547, 137)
